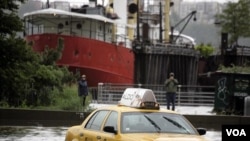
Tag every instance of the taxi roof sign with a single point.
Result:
(139, 98)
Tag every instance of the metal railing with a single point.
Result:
(108, 93)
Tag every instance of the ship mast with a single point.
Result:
(167, 20)
(162, 16)
(138, 22)
(132, 17)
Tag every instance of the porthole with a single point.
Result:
(76, 52)
(79, 26)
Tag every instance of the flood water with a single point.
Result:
(36, 133)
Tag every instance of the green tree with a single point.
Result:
(13, 69)
(10, 22)
(24, 73)
(205, 50)
(235, 20)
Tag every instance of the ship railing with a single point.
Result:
(110, 93)
(31, 29)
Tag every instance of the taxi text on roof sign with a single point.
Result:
(139, 98)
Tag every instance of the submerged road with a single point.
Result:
(36, 133)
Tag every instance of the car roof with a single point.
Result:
(122, 108)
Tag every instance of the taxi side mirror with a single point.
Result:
(110, 129)
(201, 131)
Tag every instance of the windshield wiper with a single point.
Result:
(175, 123)
(158, 129)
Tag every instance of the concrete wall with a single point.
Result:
(216, 121)
(19, 117)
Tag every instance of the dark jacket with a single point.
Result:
(82, 88)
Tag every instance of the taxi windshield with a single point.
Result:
(148, 122)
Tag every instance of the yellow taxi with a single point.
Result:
(136, 117)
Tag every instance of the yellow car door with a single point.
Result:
(93, 127)
(110, 127)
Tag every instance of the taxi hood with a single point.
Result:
(164, 137)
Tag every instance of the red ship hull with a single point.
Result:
(100, 61)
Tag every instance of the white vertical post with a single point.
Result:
(179, 94)
(100, 92)
(247, 106)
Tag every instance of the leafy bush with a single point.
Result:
(205, 50)
(67, 100)
(234, 69)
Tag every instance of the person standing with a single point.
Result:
(171, 88)
(83, 89)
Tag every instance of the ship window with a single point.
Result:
(66, 23)
(60, 26)
(100, 27)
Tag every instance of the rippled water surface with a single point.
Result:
(34, 133)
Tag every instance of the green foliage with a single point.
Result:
(51, 55)
(27, 78)
(205, 50)
(67, 100)
(18, 65)
(10, 22)
(22, 74)
(235, 20)
(234, 69)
